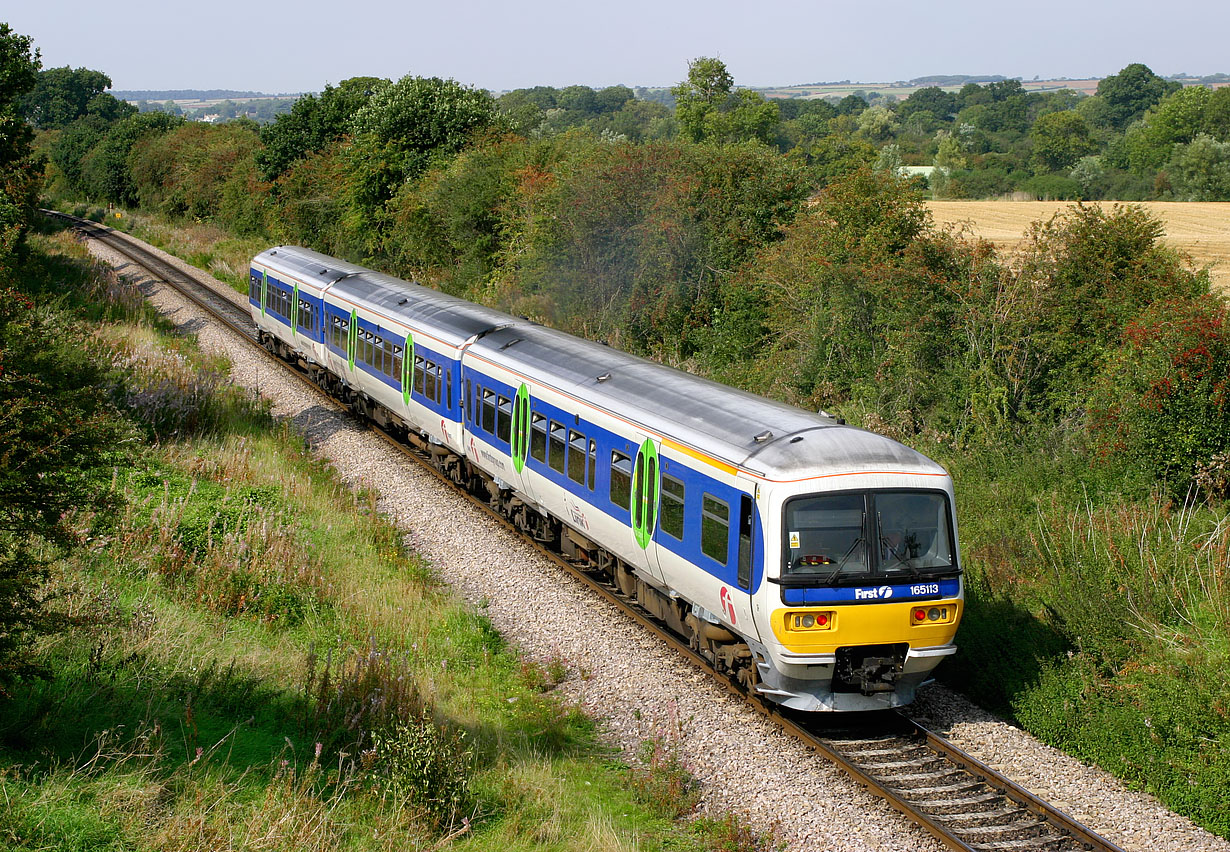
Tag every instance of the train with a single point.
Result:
(814, 563)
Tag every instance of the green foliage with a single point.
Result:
(1178, 119)
(60, 440)
(61, 96)
(1162, 403)
(203, 172)
(106, 172)
(419, 763)
(1059, 140)
(1125, 96)
(404, 125)
(19, 64)
(1200, 170)
(312, 124)
(710, 110)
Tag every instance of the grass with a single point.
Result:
(257, 662)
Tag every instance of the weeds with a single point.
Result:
(661, 778)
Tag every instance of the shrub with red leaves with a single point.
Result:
(1162, 403)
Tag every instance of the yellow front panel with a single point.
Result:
(868, 624)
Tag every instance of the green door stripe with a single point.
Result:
(353, 340)
(407, 369)
(521, 427)
(645, 521)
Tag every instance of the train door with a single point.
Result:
(746, 530)
(646, 494)
(519, 442)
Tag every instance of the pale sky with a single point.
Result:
(252, 45)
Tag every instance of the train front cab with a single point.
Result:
(863, 595)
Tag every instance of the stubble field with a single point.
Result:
(1201, 229)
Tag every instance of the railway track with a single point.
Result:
(964, 803)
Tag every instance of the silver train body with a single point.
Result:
(815, 562)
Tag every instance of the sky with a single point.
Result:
(301, 47)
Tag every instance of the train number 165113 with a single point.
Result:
(925, 589)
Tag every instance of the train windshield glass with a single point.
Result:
(884, 533)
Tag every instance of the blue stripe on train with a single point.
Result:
(919, 590)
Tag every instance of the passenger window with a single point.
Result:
(576, 457)
(538, 437)
(396, 362)
(557, 447)
(671, 518)
(431, 384)
(621, 479)
(593, 463)
(420, 376)
(448, 388)
(504, 419)
(488, 407)
(715, 528)
(746, 508)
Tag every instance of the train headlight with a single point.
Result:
(939, 614)
(809, 621)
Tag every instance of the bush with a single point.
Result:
(1162, 405)
(422, 765)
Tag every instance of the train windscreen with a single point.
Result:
(830, 537)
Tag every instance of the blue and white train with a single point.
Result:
(815, 562)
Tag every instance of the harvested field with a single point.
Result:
(1201, 229)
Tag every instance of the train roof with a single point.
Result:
(739, 428)
(734, 426)
(452, 319)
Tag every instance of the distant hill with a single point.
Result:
(188, 95)
(956, 79)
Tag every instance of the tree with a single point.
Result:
(1217, 115)
(59, 444)
(403, 126)
(1176, 120)
(1060, 139)
(1200, 170)
(19, 65)
(1126, 95)
(707, 87)
(105, 170)
(709, 109)
(942, 105)
(62, 95)
(313, 123)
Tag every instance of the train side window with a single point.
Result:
(435, 372)
(593, 463)
(673, 498)
(715, 528)
(504, 419)
(488, 408)
(396, 363)
(419, 377)
(745, 541)
(431, 383)
(448, 388)
(467, 404)
(576, 456)
(621, 479)
(557, 446)
(254, 288)
(538, 437)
